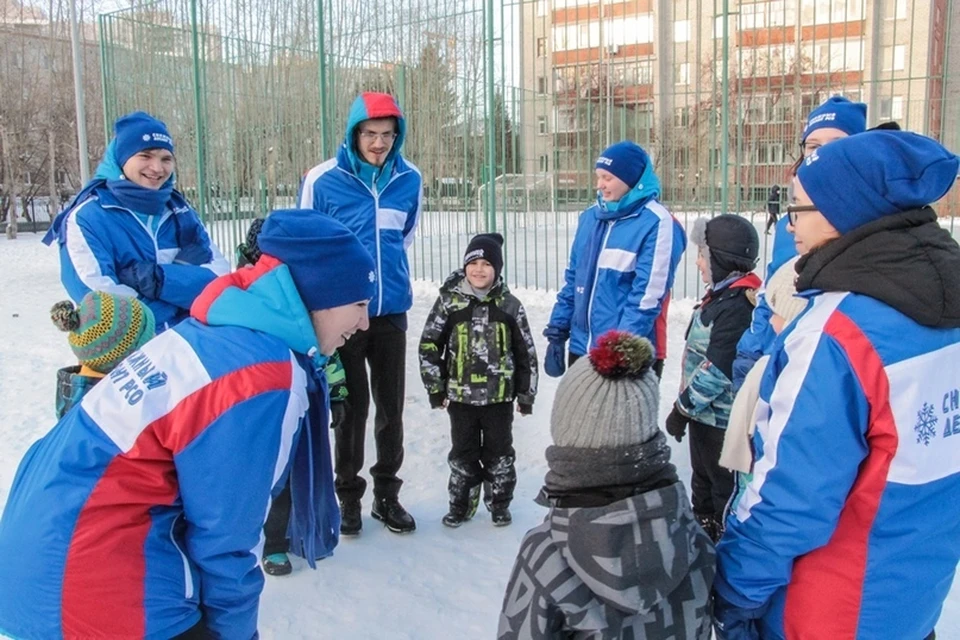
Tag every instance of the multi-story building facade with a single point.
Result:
(664, 73)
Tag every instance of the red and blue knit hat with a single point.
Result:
(105, 328)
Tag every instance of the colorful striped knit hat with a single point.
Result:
(105, 328)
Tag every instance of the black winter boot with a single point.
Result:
(501, 516)
(393, 515)
(277, 564)
(351, 522)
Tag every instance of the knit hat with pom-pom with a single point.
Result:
(105, 328)
(609, 399)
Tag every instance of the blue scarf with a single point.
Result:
(109, 176)
(647, 188)
(314, 527)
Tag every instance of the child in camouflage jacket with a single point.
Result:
(476, 355)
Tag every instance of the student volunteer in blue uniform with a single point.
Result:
(376, 193)
(130, 232)
(842, 531)
(139, 515)
(622, 263)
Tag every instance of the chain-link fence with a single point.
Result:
(509, 102)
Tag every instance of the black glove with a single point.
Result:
(524, 408)
(338, 413)
(677, 424)
(145, 277)
(437, 400)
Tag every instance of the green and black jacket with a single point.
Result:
(478, 351)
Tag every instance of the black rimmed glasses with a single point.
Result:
(794, 209)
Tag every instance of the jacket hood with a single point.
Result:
(367, 106)
(263, 298)
(647, 187)
(906, 261)
(611, 551)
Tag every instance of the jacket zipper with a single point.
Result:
(376, 223)
(593, 289)
(187, 575)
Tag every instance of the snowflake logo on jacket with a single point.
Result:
(926, 426)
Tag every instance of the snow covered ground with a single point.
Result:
(435, 583)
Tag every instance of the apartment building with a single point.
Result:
(698, 82)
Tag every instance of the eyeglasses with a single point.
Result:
(370, 136)
(794, 209)
(806, 148)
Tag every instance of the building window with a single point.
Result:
(895, 9)
(714, 157)
(541, 8)
(682, 75)
(835, 56)
(894, 58)
(681, 157)
(830, 11)
(541, 47)
(718, 27)
(769, 153)
(644, 117)
(541, 85)
(645, 72)
(542, 125)
(681, 117)
(544, 163)
(891, 108)
(681, 31)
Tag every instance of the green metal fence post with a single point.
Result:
(322, 80)
(201, 201)
(491, 129)
(725, 111)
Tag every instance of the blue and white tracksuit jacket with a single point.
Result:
(142, 509)
(846, 529)
(758, 339)
(631, 262)
(381, 207)
(99, 237)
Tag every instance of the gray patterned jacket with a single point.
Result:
(638, 568)
(478, 352)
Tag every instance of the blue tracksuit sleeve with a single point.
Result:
(809, 445)
(185, 279)
(755, 342)
(562, 312)
(86, 260)
(656, 264)
(413, 219)
(225, 500)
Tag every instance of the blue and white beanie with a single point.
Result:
(626, 160)
(139, 131)
(837, 113)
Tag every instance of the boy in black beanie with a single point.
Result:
(728, 247)
(476, 355)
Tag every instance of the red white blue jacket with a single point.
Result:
(381, 206)
(848, 527)
(622, 265)
(142, 509)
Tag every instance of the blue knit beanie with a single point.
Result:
(139, 131)
(837, 113)
(330, 267)
(865, 177)
(626, 160)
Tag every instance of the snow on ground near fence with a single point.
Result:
(435, 583)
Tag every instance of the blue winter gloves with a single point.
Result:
(145, 277)
(554, 363)
(733, 622)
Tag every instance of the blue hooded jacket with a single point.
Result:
(98, 235)
(622, 265)
(142, 510)
(380, 205)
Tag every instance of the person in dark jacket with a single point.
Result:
(728, 248)
(476, 356)
(620, 554)
(857, 436)
(773, 207)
